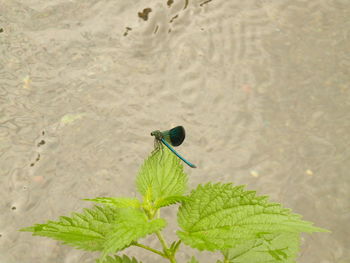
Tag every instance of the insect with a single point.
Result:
(173, 137)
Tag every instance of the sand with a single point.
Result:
(261, 87)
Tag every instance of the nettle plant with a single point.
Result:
(221, 217)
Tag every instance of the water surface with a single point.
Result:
(261, 86)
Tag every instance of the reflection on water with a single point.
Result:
(261, 86)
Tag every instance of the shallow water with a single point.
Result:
(261, 86)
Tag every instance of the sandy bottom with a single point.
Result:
(261, 86)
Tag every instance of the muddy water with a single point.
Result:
(261, 86)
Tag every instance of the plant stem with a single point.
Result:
(150, 249)
(167, 254)
(171, 257)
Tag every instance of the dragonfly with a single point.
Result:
(173, 137)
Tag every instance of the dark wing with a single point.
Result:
(177, 135)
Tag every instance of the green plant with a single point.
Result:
(213, 217)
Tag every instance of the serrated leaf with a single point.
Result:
(85, 230)
(161, 176)
(170, 200)
(118, 202)
(118, 259)
(282, 247)
(220, 216)
(131, 225)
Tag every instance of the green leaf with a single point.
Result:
(118, 259)
(169, 201)
(71, 117)
(219, 216)
(85, 230)
(131, 225)
(174, 246)
(193, 260)
(161, 176)
(269, 248)
(118, 202)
